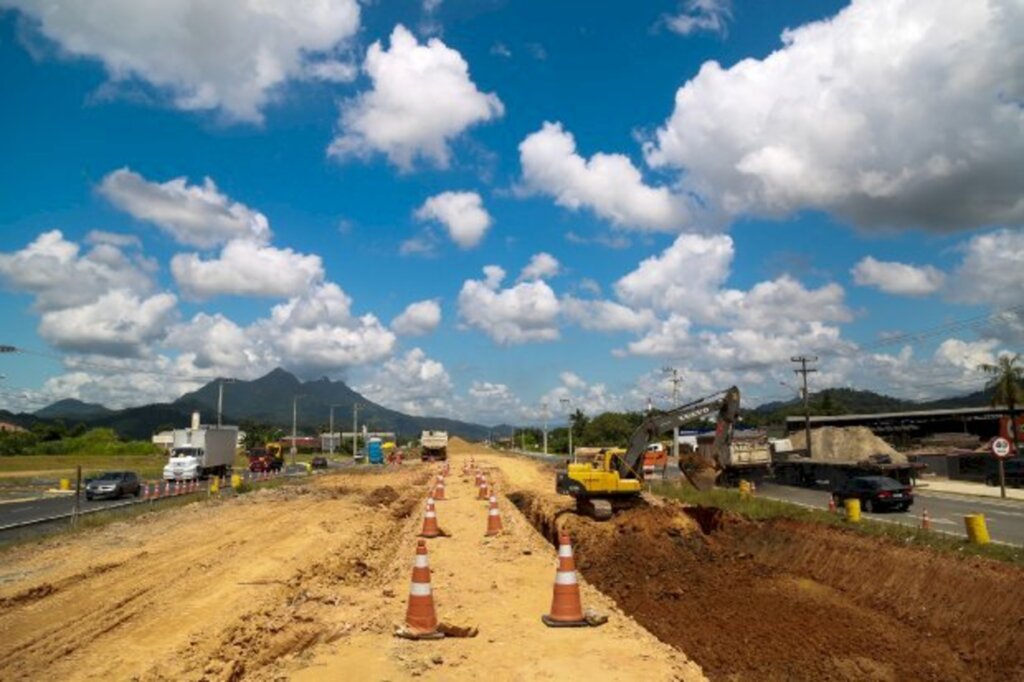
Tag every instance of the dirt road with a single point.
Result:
(307, 583)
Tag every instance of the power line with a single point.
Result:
(803, 371)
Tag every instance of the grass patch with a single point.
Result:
(763, 509)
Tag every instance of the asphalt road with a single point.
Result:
(44, 507)
(1005, 518)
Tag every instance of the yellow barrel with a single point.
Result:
(236, 481)
(65, 484)
(852, 505)
(977, 531)
(214, 485)
(744, 488)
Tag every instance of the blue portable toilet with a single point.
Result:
(374, 451)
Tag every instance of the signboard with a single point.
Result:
(1000, 447)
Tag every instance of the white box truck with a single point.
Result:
(201, 451)
(434, 445)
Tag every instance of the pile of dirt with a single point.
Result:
(787, 600)
(382, 496)
(846, 444)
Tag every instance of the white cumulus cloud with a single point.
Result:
(461, 213)
(59, 275)
(118, 323)
(205, 54)
(412, 383)
(608, 184)
(606, 316)
(525, 312)
(196, 215)
(891, 113)
(897, 278)
(246, 268)
(695, 16)
(421, 317)
(541, 266)
(422, 98)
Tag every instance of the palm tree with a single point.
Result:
(1006, 380)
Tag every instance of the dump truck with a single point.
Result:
(201, 451)
(747, 457)
(434, 445)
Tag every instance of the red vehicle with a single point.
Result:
(266, 459)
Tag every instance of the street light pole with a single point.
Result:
(355, 429)
(295, 419)
(803, 360)
(545, 404)
(220, 398)
(567, 405)
(331, 429)
(675, 401)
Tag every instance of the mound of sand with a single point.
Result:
(849, 444)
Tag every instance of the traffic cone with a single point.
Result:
(926, 520)
(430, 529)
(832, 504)
(482, 493)
(439, 488)
(420, 615)
(566, 604)
(493, 517)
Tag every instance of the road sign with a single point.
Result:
(1000, 447)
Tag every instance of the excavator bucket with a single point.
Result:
(702, 479)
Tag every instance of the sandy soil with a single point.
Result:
(307, 583)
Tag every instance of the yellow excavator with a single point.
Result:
(614, 479)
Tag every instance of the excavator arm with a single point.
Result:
(726, 403)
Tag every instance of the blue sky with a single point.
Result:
(714, 187)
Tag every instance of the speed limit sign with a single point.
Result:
(1000, 447)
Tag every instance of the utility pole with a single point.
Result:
(675, 401)
(567, 406)
(220, 397)
(803, 371)
(545, 406)
(295, 419)
(330, 428)
(355, 430)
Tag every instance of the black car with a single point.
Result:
(318, 463)
(876, 493)
(113, 485)
(1013, 469)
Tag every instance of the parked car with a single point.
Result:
(113, 485)
(318, 462)
(1014, 471)
(876, 493)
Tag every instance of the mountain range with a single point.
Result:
(267, 399)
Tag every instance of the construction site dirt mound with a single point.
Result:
(382, 496)
(793, 601)
(846, 444)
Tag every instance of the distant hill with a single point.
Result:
(835, 401)
(71, 409)
(267, 399)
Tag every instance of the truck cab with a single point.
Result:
(185, 464)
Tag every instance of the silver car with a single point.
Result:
(113, 485)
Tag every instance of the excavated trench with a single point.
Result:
(785, 600)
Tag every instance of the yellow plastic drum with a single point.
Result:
(852, 506)
(214, 485)
(744, 488)
(236, 481)
(65, 484)
(977, 531)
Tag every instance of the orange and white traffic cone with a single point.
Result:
(832, 504)
(430, 528)
(566, 604)
(926, 520)
(420, 615)
(493, 517)
(439, 488)
(482, 493)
